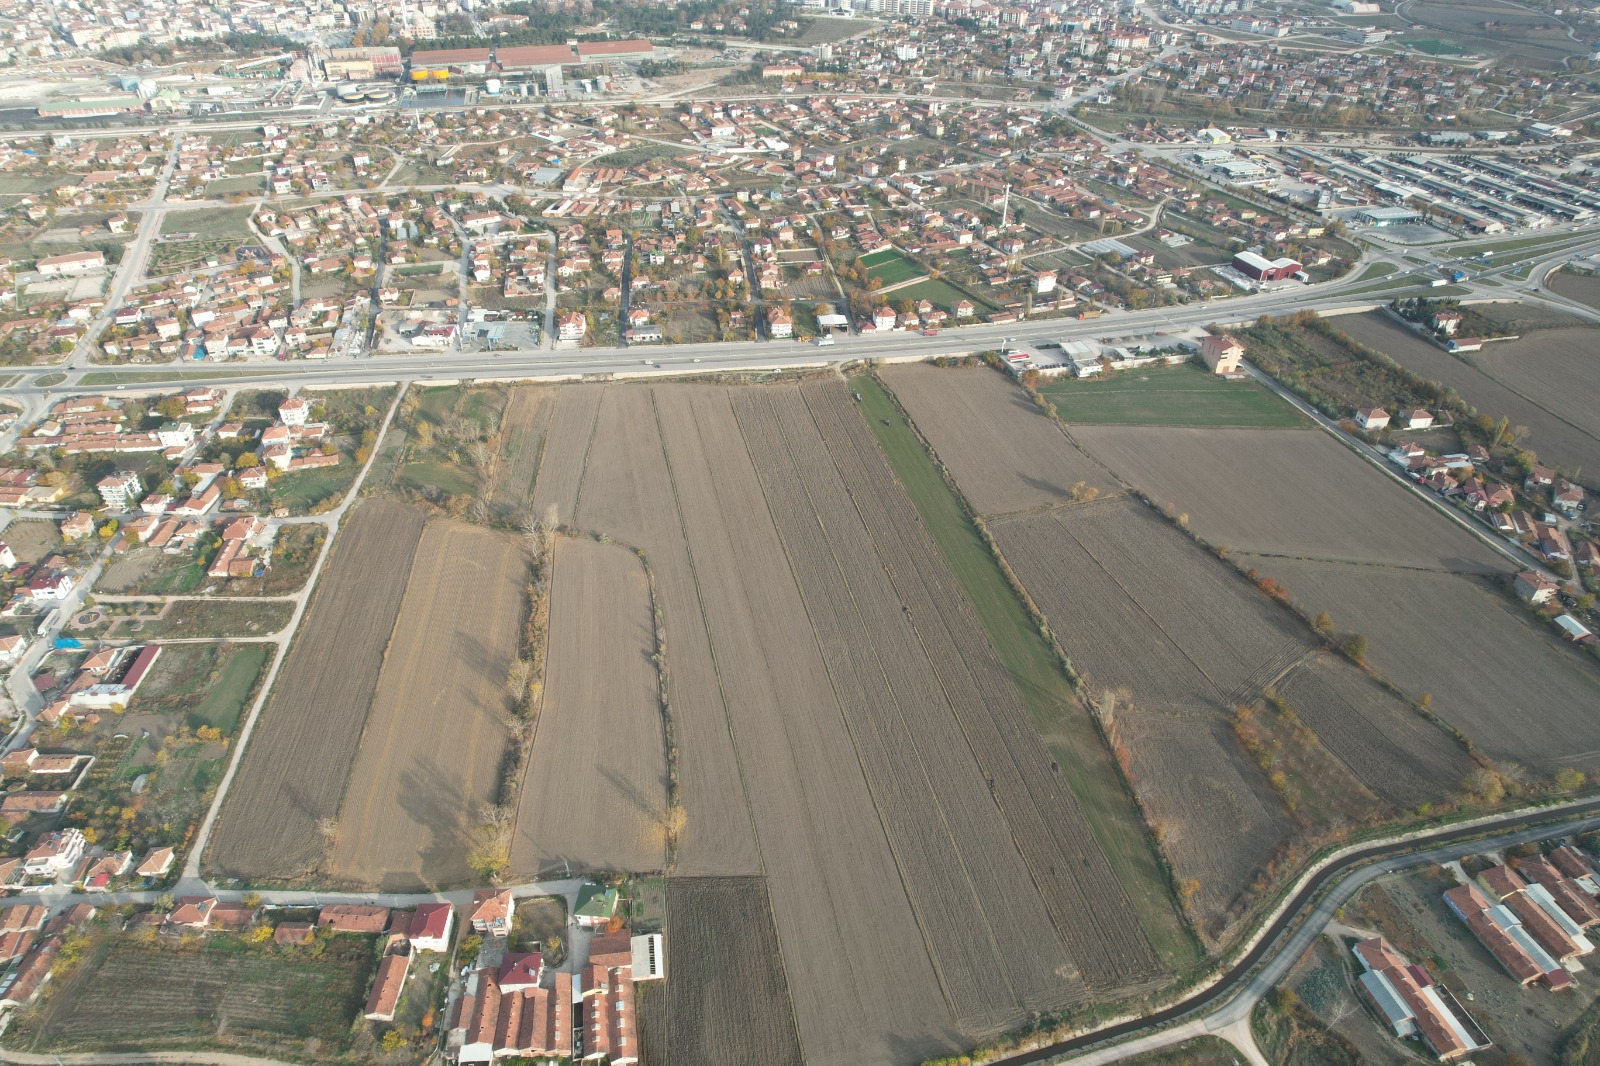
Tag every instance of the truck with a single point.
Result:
(825, 341)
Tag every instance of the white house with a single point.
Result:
(1372, 418)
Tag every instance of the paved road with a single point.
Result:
(1299, 920)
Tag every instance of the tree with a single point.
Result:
(1569, 779)
(391, 1041)
(1356, 648)
(1485, 785)
(1323, 623)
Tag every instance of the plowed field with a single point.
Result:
(1006, 454)
(595, 791)
(434, 740)
(1510, 685)
(294, 769)
(1296, 493)
(522, 440)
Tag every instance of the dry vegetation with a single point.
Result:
(1284, 492)
(595, 791)
(433, 743)
(1006, 453)
(293, 772)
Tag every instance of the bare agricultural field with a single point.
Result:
(1545, 385)
(31, 541)
(1220, 824)
(595, 791)
(1385, 743)
(1169, 635)
(1285, 492)
(433, 742)
(1006, 454)
(1493, 672)
(293, 772)
(522, 433)
(1585, 288)
(726, 1002)
(843, 730)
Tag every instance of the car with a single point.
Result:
(930, 333)
(649, 362)
(121, 387)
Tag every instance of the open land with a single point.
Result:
(1585, 288)
(1004, 452)
(1546, 383)
(1168, 396)
(31, 541)
(522, 428)
(1298, 494)
(727, 1003)
(796, 688)
(595, 790)
(293, 772)
(433, 742)
(1492, 671)
(1112, 576)
(130, 995)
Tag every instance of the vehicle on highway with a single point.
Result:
(825, 341)
(930, 333)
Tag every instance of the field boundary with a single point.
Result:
(202, 838)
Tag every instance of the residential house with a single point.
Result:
(492, 911)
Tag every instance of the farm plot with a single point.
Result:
(1112, 578)
(1299, 494)
(840, 902)
(629, 494)
(1005, 454)
(890, 267)
(595, 791)
(566, 449)
(1585, 288)
(31, 540)
(436, 734)
(1510, 686)
(1220, 824)
(986, 925)
(727, 1001)
(1098, 922)
(1169, 396)
(522, 441)
(1558, 406)
(292, 774)
(1558, 369)
(1386, 744)
(132, 995)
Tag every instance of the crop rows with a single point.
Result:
(522, 439)
(725, 1002)
(1006, 453)
(421, 777)
(1088, 907)
(567, 443)
(842, 913)
(596, 780)
(293, 772)
(1387, 745)
(973, 895)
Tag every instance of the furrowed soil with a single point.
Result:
(1494, 673)
(433, 742)
(293, 773)
(31, 540)
(841, 724)
(594, 795)
(522, 431)
(1006, 454)
(1069, 868)
(963, 874)
(1545, 382)
(725, 1002)
(630, 495)
(1389, 747)
(1285, 492)
(1112, 576)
